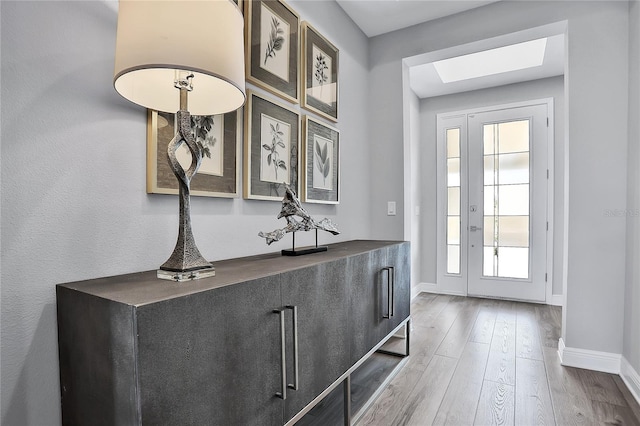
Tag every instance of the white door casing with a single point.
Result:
(500, 220)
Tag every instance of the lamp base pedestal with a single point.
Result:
(181, 276)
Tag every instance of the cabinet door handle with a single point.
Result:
(294, 385)
(392, 304)
(389, 296)
(283, 361)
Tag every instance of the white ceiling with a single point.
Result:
(377, 17)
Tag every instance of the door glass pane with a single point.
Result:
(453, 259)
(453, 230)
(489, 135)
(513, 231)
(490, 175)
(453, 200)
(513, 200)
(506, 199)
(453, 207)
(512, 168)
(453, 143)
(513, 136)
(489, 229)
(453, 172)
(490, 198)
(489, 263)
(513, 262)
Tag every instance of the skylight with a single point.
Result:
(494, 61)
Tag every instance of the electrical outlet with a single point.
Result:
(391, 208)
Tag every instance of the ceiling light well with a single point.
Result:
(514, 57)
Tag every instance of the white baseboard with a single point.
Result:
(556, 300)
(588, 359)
(631, 378)
(422, 288)
(433, 288)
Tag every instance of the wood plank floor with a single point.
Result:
(488, 362)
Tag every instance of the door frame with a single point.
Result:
(441, 176)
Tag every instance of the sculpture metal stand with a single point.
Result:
(186, 262)
(291, 207)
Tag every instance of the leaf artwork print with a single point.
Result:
(322, 175)
(320, 85)
(276, 39)
(201, 126)
(274, 34)
(320, 69)
(323, 163)
(273, 158)
(208, 131)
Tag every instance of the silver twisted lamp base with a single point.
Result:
(186, 262)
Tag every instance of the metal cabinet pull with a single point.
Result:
(389, 296)
(393, 290)
(294, 385)
(283, 361)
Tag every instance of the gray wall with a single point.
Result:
(546, 88)
(596, 120)
(73, 180)
(631, 350)
(416, 216)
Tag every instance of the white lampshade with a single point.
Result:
(157, 37)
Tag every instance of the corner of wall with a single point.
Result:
(588, 359)
(631, 378)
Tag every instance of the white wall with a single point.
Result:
(596, 116)
(546, 88)
(73, 180)
(631, 350)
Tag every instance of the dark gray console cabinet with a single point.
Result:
(138, 350)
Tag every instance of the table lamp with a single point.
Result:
(169, 52)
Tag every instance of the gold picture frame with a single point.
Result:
(219, 174)
(271, 148)
(272, 47)
(319, 74)
(320, 169)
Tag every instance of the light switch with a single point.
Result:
(391, 208)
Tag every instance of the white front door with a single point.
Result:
(492, 236)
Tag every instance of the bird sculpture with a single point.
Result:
(292, 207)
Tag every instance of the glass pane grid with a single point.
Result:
(506, 200)
(453, 200)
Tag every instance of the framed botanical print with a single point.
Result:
(219, 136)
(272, 47)
(320, 162)
(272, 139)
(319, 74)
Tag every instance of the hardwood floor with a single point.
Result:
(489, 362)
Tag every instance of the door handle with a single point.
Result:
(389, 270)
(283, 362)
(392, 305)
(473, 228)
(294, 385)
